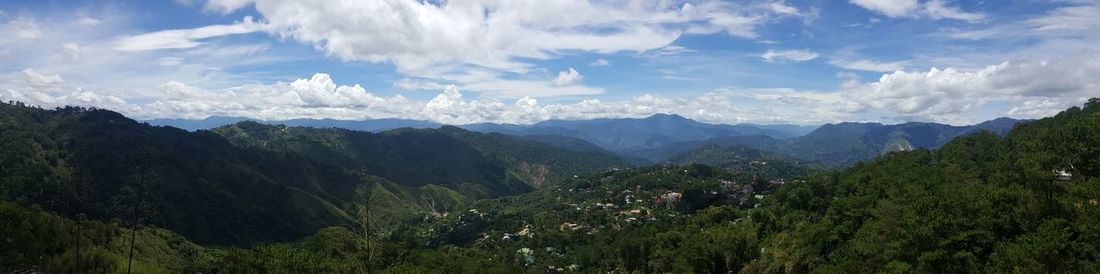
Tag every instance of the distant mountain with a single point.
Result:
(374, 125)
(629, 134)
(838, 144)
(193, 125)
(616, 135)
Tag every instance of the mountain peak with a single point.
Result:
(667, 116)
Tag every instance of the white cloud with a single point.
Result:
(439, 41)
(937, 9)
(86, 55)
(34, 88)
(33, 78)
(89, 22)
(870, 65)
(223, 6)
(22, 28)
(494, 64)
(509, 89)
(1039, 107)
(568, 77)
(600, 63)
(170, 61)
(891, 8)
(184, 38)
(973, 35)
(950, 95)
(793, 56)
(782, 8)
(670, 50)
(438, 37)
(490, 33)
(1031, 88)
(933, 9)
(320, 97)
(1083, 17)
(72, 50)
(409, 83)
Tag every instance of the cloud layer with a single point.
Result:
(1034, 88)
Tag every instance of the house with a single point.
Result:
(669, 198)
(1063, 175)
(525, 232)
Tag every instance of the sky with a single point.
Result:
(524, 61)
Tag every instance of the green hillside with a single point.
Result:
(1027, 202)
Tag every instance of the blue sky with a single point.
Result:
(768, 61)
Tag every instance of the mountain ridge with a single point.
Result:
(841, 144)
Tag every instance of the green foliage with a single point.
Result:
(40, 241)
(980, 204)
(252, 183)
(475, 164)
(1025, 203)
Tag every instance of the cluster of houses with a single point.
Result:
(579, 228)
(635, 205)
(525, 232)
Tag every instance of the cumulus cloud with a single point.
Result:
(568, 77)
(792, 56)
(600, 63)
(320, 97)
(35, 79)
(49, 90)
(1034, 87)
(933, 9)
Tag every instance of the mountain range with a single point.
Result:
(612, 134)
(79, 186)
(663, 137)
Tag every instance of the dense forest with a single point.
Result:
(87, 190)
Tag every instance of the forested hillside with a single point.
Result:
(257, 183)
(101, 164)
(1027, 202)
(475, 164)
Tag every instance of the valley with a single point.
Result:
(248, 197)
